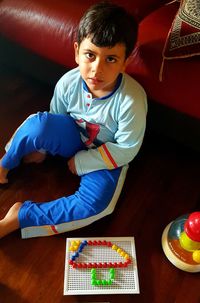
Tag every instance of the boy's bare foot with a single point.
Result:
(3, 175)
(10, 222)
(35, 157)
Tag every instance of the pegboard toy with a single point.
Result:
(100, 266)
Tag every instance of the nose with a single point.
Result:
(97, 67)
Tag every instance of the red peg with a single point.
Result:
(192, 226)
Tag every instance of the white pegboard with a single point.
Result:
(77, 281)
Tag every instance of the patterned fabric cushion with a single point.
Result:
(184, 36)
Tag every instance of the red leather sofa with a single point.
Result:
(37, 37)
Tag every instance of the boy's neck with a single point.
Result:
(103, 94)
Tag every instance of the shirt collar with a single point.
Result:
(119, 80)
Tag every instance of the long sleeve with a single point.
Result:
(67, 92)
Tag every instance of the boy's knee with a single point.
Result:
(37, 125)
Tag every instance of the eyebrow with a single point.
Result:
(91, 51)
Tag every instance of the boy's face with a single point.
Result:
(100, 66)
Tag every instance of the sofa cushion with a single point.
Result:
(47, 28)
(184, 35)
(179, 86)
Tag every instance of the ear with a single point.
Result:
(127, 62)
(76, 50)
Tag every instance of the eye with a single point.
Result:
(111, 59)
(89, 56)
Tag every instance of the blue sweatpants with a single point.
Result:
(96, 196)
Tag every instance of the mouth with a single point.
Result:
(94, 80)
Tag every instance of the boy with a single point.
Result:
(97, 119)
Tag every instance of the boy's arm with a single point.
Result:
(129, 137)
(58, 103)
(57, 106)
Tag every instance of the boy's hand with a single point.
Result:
(72, 166)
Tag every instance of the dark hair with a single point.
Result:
(108, 24)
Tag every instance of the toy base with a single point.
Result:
(173, 258)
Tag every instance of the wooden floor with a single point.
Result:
(162, 184)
